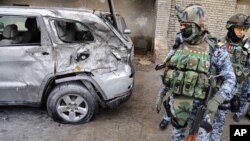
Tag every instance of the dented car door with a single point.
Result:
(24, 65)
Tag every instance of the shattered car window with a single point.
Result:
(18, 20)
(18, 30)
(71, 32)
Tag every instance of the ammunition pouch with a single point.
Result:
(173, 61)
(243, 58)
(201, 87)
(174, 80)
(239, 73)
(168, 77)
(182, 62)
(188, 73)
(203, 66)
(189, 83)
(239, 59)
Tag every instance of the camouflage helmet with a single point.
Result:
(238, 20)
(193, 13)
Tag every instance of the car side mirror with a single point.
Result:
(127, 31)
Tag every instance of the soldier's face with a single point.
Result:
(240, 31)
(184, 25)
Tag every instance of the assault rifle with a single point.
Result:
(198, 120)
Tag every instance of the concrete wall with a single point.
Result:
(139, 15)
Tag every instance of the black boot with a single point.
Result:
(164, 123)
(248, 111)
(248, 116)
(236, 118)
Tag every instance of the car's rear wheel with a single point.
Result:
(71, 103)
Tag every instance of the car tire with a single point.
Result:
(71, 103)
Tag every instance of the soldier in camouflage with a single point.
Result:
(188, 71)
(163, 88)
(237, 27)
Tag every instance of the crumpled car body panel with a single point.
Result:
(26, 70)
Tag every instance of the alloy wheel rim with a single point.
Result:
(72, 107)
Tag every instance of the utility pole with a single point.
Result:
(112, 12)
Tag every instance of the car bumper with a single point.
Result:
(111, 104)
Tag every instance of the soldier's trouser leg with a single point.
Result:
(167, 114)
(218, 124)
(179, 130)
(243, 97)
(163, 89)
(248, 110)
(166, 117)
(178, 134)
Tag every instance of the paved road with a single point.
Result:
(135, 120)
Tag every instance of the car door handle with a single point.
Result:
(45, 53)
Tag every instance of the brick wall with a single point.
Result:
(163, 8)
(218, 12)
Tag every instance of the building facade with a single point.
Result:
(153, 22)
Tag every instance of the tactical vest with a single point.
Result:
(238, 58)
(188, 69)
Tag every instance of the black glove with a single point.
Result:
(160, 66)
(235, 104)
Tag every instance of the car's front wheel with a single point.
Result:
(71, 103)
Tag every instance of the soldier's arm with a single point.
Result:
(246, 47)
(178, 42)
(171, 52)
(221, 60)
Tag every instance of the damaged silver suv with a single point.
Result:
(71, 61)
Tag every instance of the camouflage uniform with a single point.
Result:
(223, 64)
(238, 58)
(239, 55)
(245, 94)
(223, 109)
(188, 71)
(164, 89)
